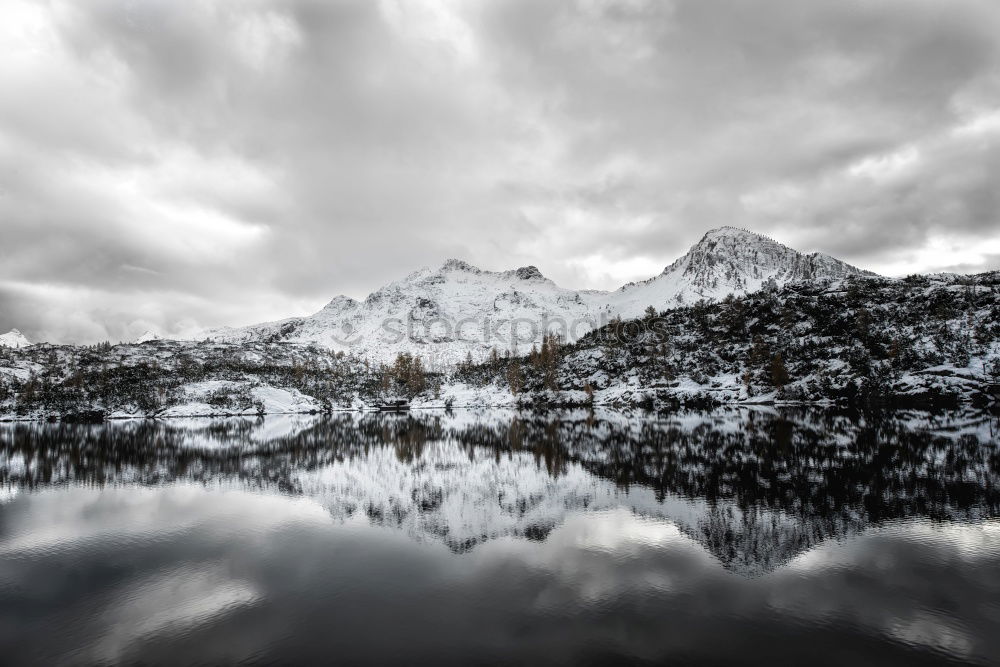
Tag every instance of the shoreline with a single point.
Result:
(97, 416)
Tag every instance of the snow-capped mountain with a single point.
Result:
(147, 336)
(447, 313)
(726, 261)
(14, 338)
(441, 314)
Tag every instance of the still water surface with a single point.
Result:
(730, 537)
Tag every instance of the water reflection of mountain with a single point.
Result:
(755, 488)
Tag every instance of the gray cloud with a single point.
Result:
(168, 165)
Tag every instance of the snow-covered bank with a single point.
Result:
(213, 397)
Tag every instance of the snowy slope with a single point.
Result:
(14, 338)
(446, 313)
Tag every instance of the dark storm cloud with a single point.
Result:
(170, 165)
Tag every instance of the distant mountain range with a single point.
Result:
(447, 313)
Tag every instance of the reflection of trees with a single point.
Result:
(151, 452)
(775, 484)
(805, 464)
(778, 484)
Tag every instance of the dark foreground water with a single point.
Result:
(736, 537)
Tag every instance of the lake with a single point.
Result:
(739, 536)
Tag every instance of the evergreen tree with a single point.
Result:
(779, 376)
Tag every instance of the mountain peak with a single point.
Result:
(728, 231)
(459, 265)
(147, 337)
(14, 338)
(340, 302)
(529, 273)
(728, 260)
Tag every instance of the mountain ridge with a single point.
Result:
(458, 310)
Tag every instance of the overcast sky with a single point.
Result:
(167, 165)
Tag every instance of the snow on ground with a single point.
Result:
(198, 409)
(464, 395)
(277, 400)
(267, 400)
